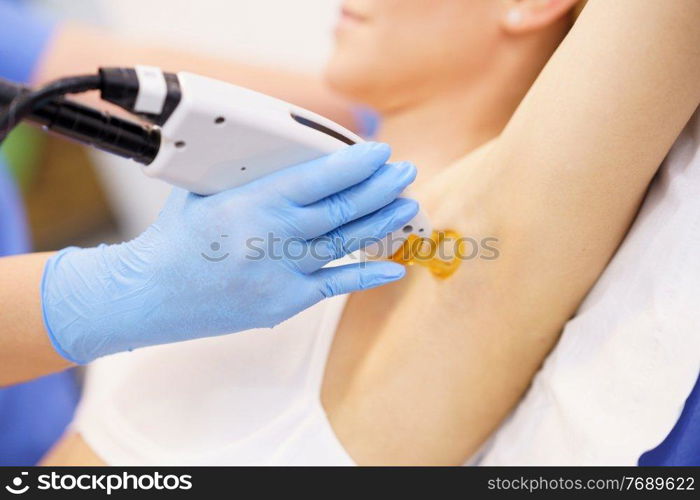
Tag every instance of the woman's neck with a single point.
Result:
(446, 124)
(438, 131)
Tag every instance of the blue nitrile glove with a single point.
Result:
(245, 258)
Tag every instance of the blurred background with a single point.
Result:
(75, 196)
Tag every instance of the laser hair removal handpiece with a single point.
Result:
(221, 136)
(205, 135)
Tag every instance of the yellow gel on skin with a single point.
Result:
(424, 252)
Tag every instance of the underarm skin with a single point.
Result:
(423, 371)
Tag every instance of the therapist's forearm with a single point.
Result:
(25, 349)
(77, 48)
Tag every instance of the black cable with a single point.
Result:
(29, 100)
(89, 126)
(9, 91)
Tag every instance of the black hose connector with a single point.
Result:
(88, 126)
(119, 86)
(100, 129)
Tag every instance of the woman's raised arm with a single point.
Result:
(577, 156)
(559, 188)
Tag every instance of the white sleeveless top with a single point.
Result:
(252, 398)
(612, 388)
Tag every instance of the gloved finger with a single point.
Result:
(341, 208)
(357, 234)
(317, 179)
(332, 281)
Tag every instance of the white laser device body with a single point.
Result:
(198, 133)
(221, 136)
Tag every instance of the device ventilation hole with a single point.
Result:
(180, 144)
(243, 169)
(421, 230)
(220, 120)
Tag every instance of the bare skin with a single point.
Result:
(26, 351)
(72, 450)
(422, 372)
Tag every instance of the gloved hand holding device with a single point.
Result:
(193, 273)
